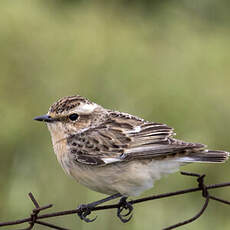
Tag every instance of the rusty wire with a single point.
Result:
(35, 218)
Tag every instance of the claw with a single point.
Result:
(84, 211)
(123, 204)
(130, 209)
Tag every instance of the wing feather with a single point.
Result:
(122, 138)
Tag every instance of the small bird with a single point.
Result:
(116, 153)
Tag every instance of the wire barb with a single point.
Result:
(205, 194)
(35, 218)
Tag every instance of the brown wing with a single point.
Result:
(124, 137)
(98, 146)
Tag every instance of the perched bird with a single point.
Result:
(117, 153)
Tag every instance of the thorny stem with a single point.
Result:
(34, 217)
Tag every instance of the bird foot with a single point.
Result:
(84, 211)
(123, 204)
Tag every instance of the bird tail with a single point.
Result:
(205, 156)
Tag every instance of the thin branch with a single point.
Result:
(35, 217)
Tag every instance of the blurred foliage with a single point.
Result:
(166, 61)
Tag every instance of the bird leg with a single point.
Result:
(123, 204)
(85, 209)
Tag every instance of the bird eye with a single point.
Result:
(73, 117)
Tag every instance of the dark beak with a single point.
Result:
(45, 118)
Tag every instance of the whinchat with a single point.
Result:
(113, 152)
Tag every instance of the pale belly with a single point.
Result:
(129, 178)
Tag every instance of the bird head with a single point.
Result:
(71, 115)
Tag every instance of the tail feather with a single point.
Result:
(205, 156)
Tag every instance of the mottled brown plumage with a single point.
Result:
(65, 104)
(111, 152)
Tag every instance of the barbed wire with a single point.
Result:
(35, 218)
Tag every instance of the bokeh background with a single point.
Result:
(165, 61)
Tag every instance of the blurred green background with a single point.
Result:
(165, 61)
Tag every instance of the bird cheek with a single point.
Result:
(70, 128)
